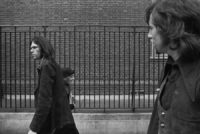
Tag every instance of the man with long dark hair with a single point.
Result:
(174, 29)
(52, 114)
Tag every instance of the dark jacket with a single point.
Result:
(185, 104)
(52, 105)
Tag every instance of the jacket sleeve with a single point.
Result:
(153, 124)
(44, 97)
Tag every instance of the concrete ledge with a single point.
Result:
(87, 123)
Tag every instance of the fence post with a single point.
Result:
(1, 89)
(45, 30)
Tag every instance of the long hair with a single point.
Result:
(179, 22)
(46, 49)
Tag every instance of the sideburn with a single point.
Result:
(165, 40)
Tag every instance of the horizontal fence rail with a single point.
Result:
(115, 66)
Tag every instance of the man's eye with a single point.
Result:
(150, 28)
(33, 47)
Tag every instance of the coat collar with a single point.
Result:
(40, 64)
(190, 72)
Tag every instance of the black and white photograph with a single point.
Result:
(99, 66)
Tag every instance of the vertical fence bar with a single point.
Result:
(20, 72)
(29, 72)
(94, 78)
(119, 56)
(15, 67)
(99, 43)
(30, 68)
(124, 43)
(129, 69)
(114, 68)
(109, 67)
(139, 49)
(10, 69)
(153, 77)
(1, 71)
(84, 62)
(149, 76)
(25, 67)
(74, 44)
(104, 67)
(6, 83)
(65, 48)
(89, 45)
(144, 70)
(134, 67)
(45, 31)
(69, 50)
(79, 55)
(140, 68)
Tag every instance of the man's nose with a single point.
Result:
(149, 35)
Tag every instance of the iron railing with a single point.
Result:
(115, 68)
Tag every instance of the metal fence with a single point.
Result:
(115, 66)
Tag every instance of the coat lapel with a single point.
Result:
(190, 72)
(39, 72)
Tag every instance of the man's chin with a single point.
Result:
(35, 58)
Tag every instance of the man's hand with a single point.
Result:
(31, 132)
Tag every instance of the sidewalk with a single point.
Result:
(87, 123)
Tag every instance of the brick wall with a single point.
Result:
(72, 12)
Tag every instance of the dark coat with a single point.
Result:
(185, 105)
(52, 105)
